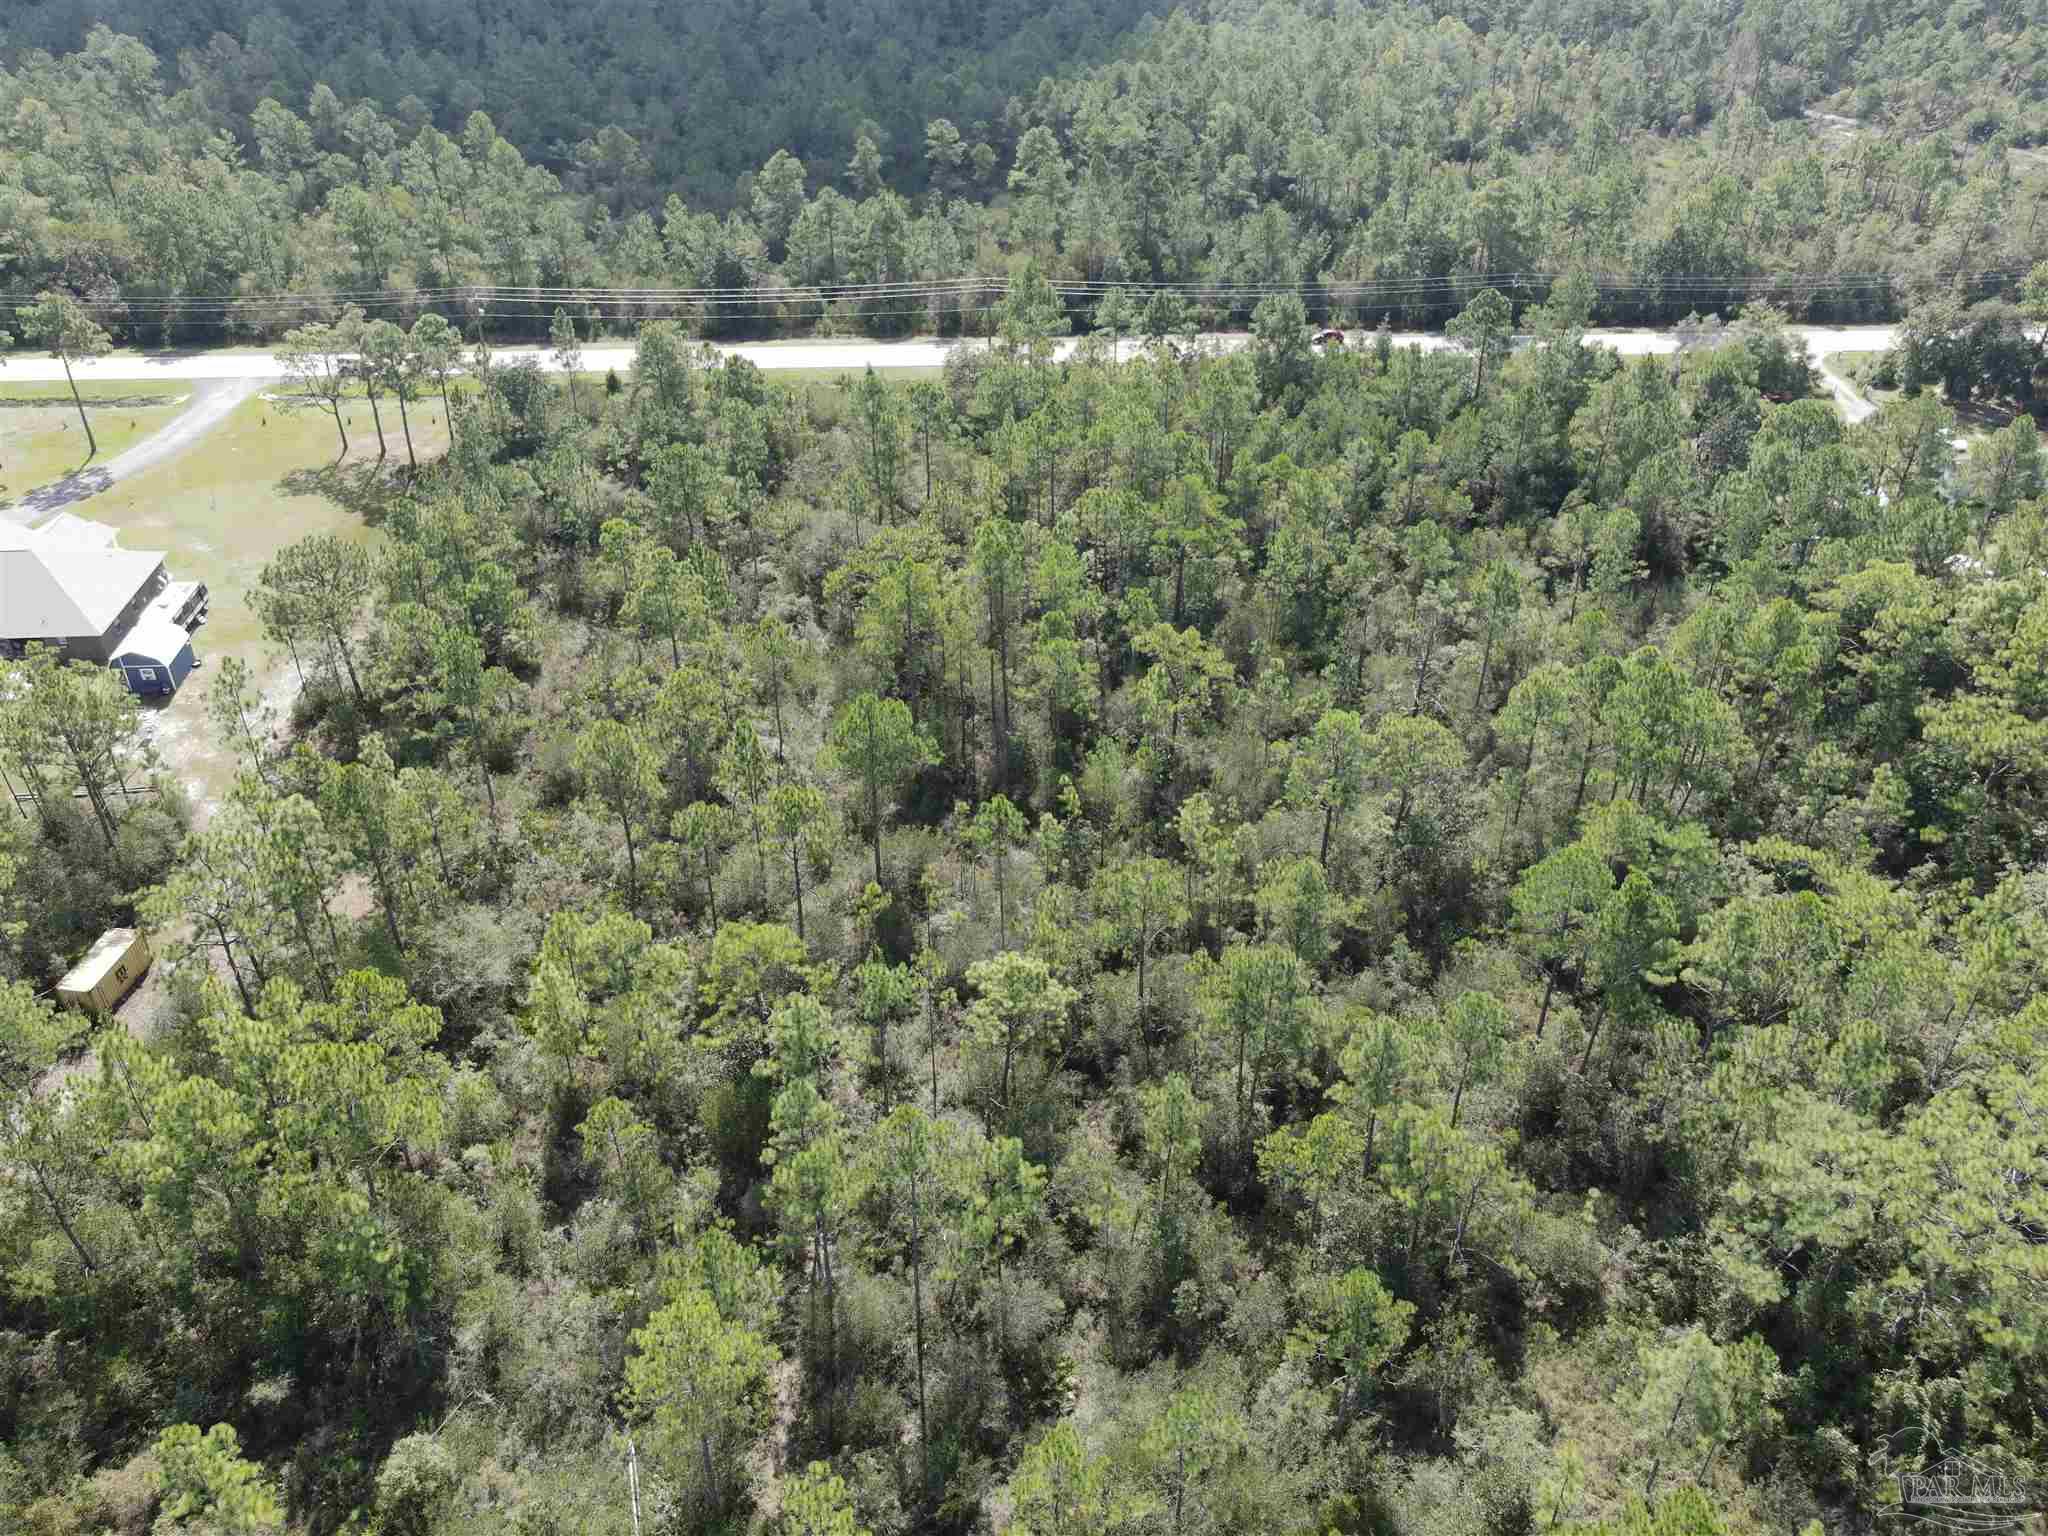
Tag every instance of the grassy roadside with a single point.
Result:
(98, 394)
(606, 343)
(40, 438)
(822, 387)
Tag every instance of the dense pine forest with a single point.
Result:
(1292, 939)
(1844, 160)
(1361, 942)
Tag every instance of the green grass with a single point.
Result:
(220, 511)
(1853, 366)
(41, 440)
(824, 391)
(1857, 367)
(1974, 419)
(100, 394)
(834, 375)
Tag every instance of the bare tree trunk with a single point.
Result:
(57, 1210)
(483, 768)
(377, 416)
(924, 1424)
(227, 950)
(84, 421)
(1592, 1035)
(1657, 1461)
(389, 901)
(406, 421)
(875, 815)
(348, 663)
(14, 797)
(931, 1044)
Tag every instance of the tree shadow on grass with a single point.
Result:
(86, 481)
(367, 490)
(1985, 415)
(98, 403)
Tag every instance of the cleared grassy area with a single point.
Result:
(263, 480)
(834, 375)
(41, 440)
(824, 389)
(1856, 368)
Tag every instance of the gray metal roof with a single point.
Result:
(67, 593)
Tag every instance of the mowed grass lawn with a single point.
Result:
(220, 511)
(41, 440)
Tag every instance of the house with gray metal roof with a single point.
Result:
(69, 586)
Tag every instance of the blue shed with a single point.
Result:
(155, 657)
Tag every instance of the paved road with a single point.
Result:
(210, 401)
(826, 355)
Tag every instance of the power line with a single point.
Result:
(481, 299)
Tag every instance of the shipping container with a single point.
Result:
(107, 974)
